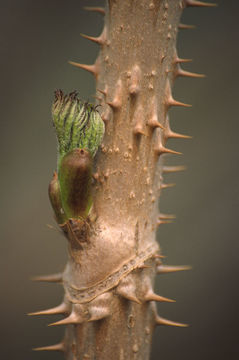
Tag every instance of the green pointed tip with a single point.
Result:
(78, 124)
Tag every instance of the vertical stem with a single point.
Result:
(134, 73)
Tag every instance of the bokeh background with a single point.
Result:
(37, 40)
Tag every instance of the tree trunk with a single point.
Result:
(109, 280)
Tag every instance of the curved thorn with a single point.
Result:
(162, 321)
(181, 72)
(48, 278)
(56, 347)
(166, 269)
(100, 10)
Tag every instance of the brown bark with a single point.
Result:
(109, 279)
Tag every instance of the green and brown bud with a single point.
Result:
(78, 124)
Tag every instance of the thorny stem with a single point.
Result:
(109, 298)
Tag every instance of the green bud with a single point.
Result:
(78, 124)
(75, 176)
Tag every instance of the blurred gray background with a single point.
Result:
(37, 40)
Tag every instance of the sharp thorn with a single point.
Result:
(138, 121)
(163, 150)
(168, 133)
(100, 10)
(72, 319)
(173, 135)
(162, 321)
(151, 296)
(181, 72)
(132, 297)
(189, 3)
(128, 296)
(48, 278)
(90, 68)
(169, 100)
(152, 120)
(61, 309)
(56, 347)
(153, 123)
(127, 292)
(171, 169)
(166, 269)
(186, 27)
(179, 60)
(138, 131)
(172, 102)
(116, 103)
(98, 40)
